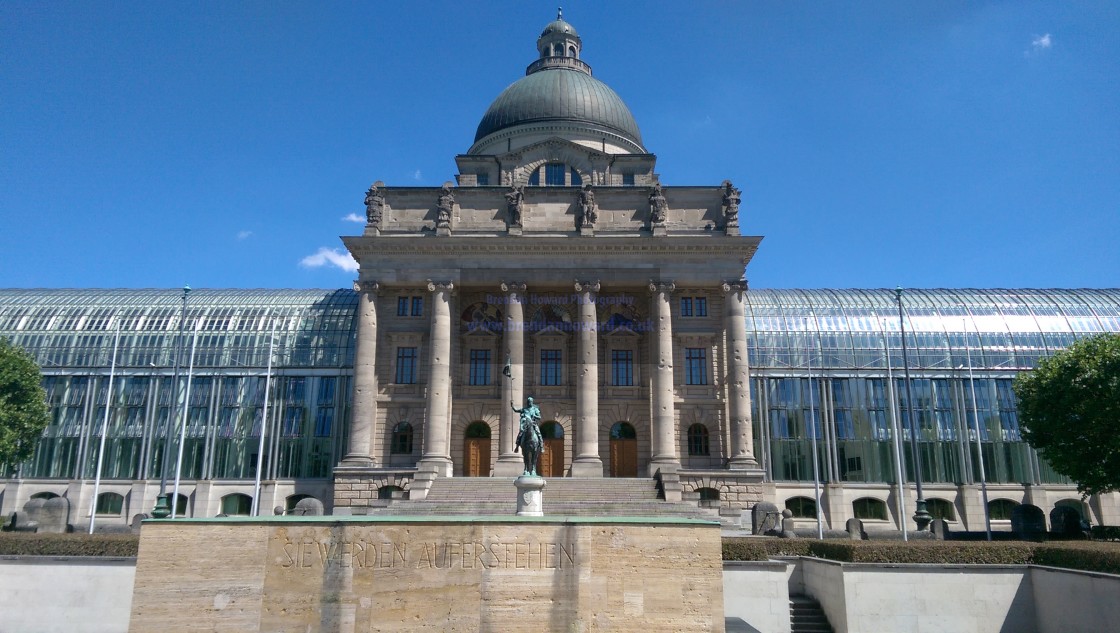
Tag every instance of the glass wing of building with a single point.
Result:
(827, 371)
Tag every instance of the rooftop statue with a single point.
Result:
(658, 206)
(445, 206)
(730, 204)
(375, 205)
(514, 199)
(588, 213)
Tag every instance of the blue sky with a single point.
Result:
(943, 144)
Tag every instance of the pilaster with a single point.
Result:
(509, 463)
(587, 462)
(663, 441)
(437, 429)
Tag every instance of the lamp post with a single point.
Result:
(921, 516)
(163, 506)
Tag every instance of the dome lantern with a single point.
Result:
(559, 39)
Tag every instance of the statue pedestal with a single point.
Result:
(586, 231)
(514, 230)
(530, 497)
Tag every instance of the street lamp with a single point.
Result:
(921, 516)
(163, 507)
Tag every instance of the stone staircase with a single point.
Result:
(562, 497)
(806, 616)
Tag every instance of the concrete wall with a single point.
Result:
(1075, 602)
(871, 598)
(758, 594)
(46, 594)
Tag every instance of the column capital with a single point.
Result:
(371, 287)
(735, 285)
(512, 286)
(662, 286)
(588, 286)
(445, 286)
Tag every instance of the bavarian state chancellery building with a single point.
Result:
(617, 301)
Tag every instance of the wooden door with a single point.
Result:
(476, 458)
(551, 462)
(624, 458)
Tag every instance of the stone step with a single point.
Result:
(806, 616)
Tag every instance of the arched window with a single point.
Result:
(571, 51)
(237, 504)
(577, 180)
(386, 492)
(709, 497)
(291, 502)
(870, 508)
(698, 440)
(552, 431)
(478, 430)
(44, 495)
(401, 443)
(554, 174)
(941, 509)
(110, 503)
(1000, 509)
(1076, 504)
(802, 507)
(623, 431)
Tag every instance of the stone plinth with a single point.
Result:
(428, 574)
(530, 496)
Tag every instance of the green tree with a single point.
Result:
(23, 405)
(1070, 412)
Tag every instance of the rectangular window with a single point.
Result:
(402, 306)
(554, 175)
(324, 420)
(480, 367)
(622, 368)
(550, 367)
(577, 180)
(482, 179)
(417, 306)
(695, 366)
(535, 178)
(694, 306)
(628, 180)
(406, 366)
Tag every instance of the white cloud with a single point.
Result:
(354, 217)
(241, 235)
(330, 257)
(1039, 44)
(416, 175)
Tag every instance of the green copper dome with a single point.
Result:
(559, 94)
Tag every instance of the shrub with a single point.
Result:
(1102, 557)
(738, 548)
(36, 544)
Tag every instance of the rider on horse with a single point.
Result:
(529, 436)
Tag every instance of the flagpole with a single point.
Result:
(813, 432)
(105, 424)
(895, 433)
(183, 429)
(264, 424)
(976, 423)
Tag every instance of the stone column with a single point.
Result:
(509, 463)
(587, 462)
(664, 439)
(437, 427)
(738, 381)
(363, 413)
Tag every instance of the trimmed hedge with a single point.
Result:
(36, 544)
(1085, 556)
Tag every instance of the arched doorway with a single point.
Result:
(551, 462)
(624, 450)
(476, 450)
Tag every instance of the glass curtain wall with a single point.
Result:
(850, 343)
(71, 333)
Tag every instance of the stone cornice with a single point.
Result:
(423, 247)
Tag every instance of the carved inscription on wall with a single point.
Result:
(359, 553)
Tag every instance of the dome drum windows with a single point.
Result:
(555, 175)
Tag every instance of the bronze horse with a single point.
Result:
(529, 439)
